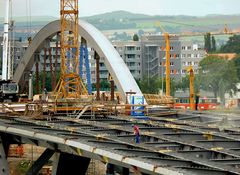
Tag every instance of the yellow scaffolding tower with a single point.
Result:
(70, 84)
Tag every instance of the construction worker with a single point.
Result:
(136, 133)
(197, 101)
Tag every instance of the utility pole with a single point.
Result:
(6, 43)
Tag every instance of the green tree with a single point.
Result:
(236, 61)
(135, 37)
(153, 85)
(149, 85)
(213, 47)
(207, 42)
(219, 76)
(232, 45)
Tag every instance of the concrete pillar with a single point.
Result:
(112, 90)
(37, 55)
(30, 88)
(56, 157)
(4, 168)
(97, 58)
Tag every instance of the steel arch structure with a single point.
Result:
(114, 63)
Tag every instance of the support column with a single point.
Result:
(4, 168)
(112, 90)
(71, 164)
(56, 157)
(51, 68)
(97, 58)
(37, 71)
(44, 69)
(40, 162)
(30, 88)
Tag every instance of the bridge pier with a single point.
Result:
(4, 168)
(71, 164)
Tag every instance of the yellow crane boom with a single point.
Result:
(70, 85)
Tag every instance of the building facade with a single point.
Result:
(153, 56)
(191, 55)
(144, 58)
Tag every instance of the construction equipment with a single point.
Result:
(84, 56)
(70, 84)
(8, 88)
(167, 56)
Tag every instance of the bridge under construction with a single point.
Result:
(171, 142)
(74, 127)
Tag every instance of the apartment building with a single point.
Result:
(191, 55)
(153, 56)
(145, 58)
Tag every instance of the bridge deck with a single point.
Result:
(170, 144)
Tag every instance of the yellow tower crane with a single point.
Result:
(70, 84)
(167, 56)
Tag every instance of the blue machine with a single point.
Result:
(137, 110)
(84, 55)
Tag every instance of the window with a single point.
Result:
(171, 63)
(130, 48)
(184, 63)
(130, 56)
(171, 47)
(183, 55)
(138, 48)
(189, 48)
(183, 47)
(172, 71)
(189, 63)
(189, 55)
(183, 71)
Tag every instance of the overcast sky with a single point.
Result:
(152, 7)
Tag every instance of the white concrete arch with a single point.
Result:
(114, 63)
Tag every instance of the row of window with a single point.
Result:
(190, 63)
(191, 55)
(175, 71)
(128, 48)
(186, 47)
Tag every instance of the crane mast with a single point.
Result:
(166, 35)
(70, 84)
(191, 88)
(6, 56)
